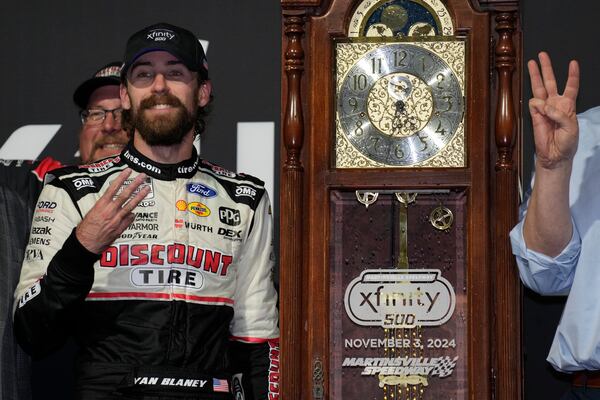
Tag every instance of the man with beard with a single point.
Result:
(98, 99)
(20, 184)
(158, 262)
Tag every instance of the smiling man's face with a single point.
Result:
(106, 138)
(162, 98)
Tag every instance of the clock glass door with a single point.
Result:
(398, 295)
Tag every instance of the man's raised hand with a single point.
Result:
(111, 214)
(553, 115)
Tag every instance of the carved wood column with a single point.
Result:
(506, 283)
(291, 221)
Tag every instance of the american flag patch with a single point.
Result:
(220, 385)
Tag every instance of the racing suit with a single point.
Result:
(182, 304)
(20, 185)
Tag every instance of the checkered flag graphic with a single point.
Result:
(445, 366)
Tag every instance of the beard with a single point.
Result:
(161, 130)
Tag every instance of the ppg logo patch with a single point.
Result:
(229, 216)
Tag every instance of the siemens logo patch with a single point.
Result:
(201, 190)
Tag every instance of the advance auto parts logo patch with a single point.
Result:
(195, 207)
(393, 298)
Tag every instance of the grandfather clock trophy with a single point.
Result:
(398, 190)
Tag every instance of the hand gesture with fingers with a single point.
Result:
(553, 115)
(111, 214)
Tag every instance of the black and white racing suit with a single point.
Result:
(182, 301)
(20, 186)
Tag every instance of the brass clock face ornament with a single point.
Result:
(400, 104)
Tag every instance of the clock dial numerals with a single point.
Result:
(399, 59)
(399, 104)
(359, 82)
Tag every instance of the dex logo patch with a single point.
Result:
(230, 216)
(400, 298)
(230, 234)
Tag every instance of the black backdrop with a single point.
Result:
(49, 47)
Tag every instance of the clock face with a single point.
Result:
(399, 105)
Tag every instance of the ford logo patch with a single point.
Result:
(201, 190)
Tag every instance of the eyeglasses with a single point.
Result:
(96, 116)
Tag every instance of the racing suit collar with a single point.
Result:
(167, 172)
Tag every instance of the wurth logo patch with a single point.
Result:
(125, 255)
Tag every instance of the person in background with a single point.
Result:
(101, 133)
(556, 243)
(21, 181)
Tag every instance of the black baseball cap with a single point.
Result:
(180, 42)
(107, 75)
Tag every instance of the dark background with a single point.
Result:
(49, 48)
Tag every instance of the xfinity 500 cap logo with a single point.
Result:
(160, 35)
(400, 298)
